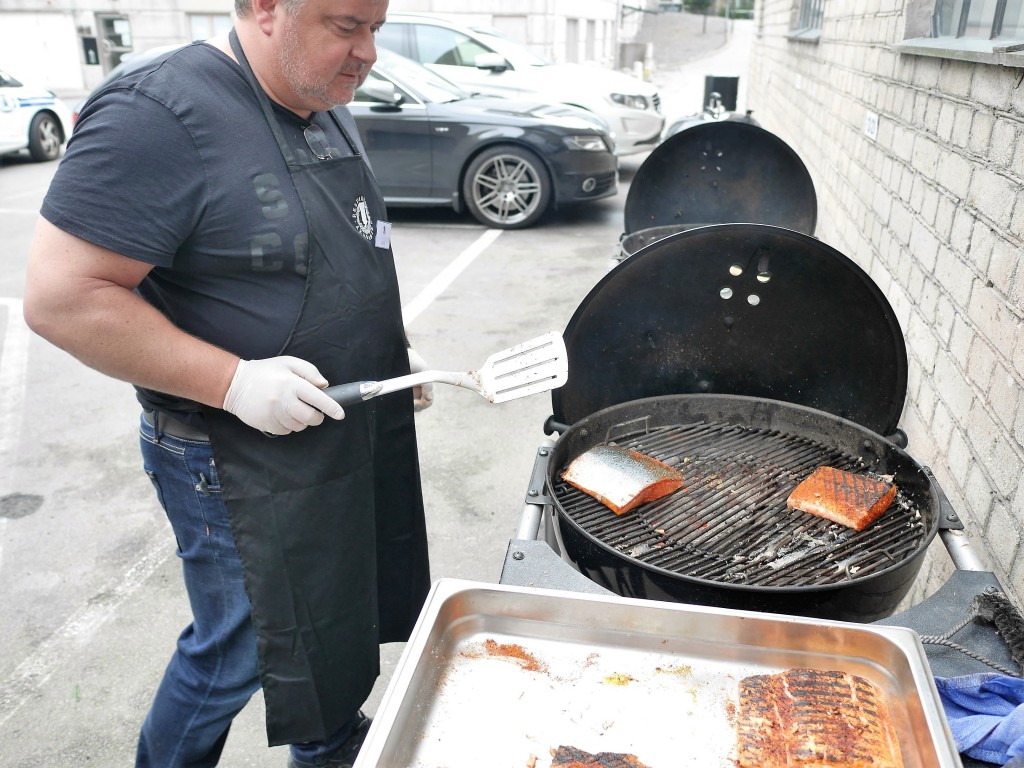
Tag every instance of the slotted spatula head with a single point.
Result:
(538, 365)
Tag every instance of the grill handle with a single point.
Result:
(551, 426)
(536, 495)
(951, 531)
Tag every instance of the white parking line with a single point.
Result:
(13, 365)
(447, 276)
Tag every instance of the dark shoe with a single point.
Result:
(344, 757)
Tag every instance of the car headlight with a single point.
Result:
(630, 100)
(586, 142)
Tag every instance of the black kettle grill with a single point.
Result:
(717, 172)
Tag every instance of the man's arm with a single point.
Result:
(81, 298)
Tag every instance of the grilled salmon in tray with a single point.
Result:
(806, 718)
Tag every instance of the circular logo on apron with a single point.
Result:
(361, 217)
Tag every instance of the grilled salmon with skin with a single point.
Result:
(573, 757)
(847, 498)
(806, 718)
(621, 478)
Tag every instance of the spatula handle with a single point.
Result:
(356, 392)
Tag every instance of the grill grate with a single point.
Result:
(731, 523)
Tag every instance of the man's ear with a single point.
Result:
(265, 12)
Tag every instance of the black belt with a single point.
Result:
(169, 425)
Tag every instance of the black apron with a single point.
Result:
(329, 521)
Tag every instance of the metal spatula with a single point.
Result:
(538, 365)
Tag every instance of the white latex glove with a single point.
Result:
(423, 395)
(279, 395)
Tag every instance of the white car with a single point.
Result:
(485, 62)
(31, 118)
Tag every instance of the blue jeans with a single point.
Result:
(214, 670)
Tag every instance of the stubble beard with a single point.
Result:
(302, 80)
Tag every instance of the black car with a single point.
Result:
(505, 161)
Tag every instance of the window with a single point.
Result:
(985, 19)
(203, 26)
(437, 45)
(808, 21)
(984, 31)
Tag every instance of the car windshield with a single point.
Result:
(420, 81)
(517, 54)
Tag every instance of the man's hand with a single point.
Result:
(423, 395)
(279, 395)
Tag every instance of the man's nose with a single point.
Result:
(365, 47)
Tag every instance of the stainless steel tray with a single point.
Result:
(497, 676)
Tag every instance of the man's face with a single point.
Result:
(325, 50)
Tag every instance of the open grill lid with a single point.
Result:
(743, 309)
(718, 172)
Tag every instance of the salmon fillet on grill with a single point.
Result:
(621, 478)
(847, 498)
(806, 718)
(572, 757)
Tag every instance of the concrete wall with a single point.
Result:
(931, 207)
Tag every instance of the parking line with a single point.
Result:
(447, 276)
(13, 367)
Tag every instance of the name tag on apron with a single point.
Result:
(383, 234)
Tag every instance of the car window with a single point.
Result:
(437, 45)
(375, 77)
(6, 81)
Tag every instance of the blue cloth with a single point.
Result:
(986, 715)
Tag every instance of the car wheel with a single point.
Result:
(44, 138)
(507, 188)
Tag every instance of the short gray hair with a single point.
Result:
(242, 7)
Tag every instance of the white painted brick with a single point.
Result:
(926, 72)
(958, 457)
(980, 363)
(954, 277)
(1017, 357)
(991, 317)
(927, 153)
(945, 120)
(1002, 537)
(954, 173)
(945, 315)
(981, 126)
(924, 245)
(955, 77)
(1004, 142)
(978, 492)
(1003, 266)
(993, 195)
(941, 423)
(929, 209)
(923, 343)
(993, 86)
(958, 395)
(1004, 395)
(900, 219)
(963, 226)
(960, 133)
(983, 242)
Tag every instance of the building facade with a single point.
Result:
(911, 122)
(69, 45)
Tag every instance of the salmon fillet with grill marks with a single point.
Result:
(849, 499)
(805, 718)
(572, 757)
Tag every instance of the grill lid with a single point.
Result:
(744, 309)
(720, 172)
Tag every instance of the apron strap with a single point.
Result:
(261, 96)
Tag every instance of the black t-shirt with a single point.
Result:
(174, 165)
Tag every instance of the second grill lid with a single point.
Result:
(718, 172)
(744, 309)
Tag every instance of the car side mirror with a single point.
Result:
(382, 92)
(494, 62)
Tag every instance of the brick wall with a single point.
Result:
(932, 209)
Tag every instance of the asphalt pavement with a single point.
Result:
(80, 664)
